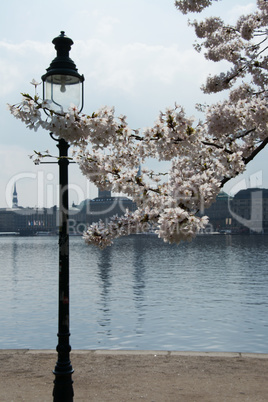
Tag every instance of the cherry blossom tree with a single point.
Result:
(203, 155)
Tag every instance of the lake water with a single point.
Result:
(208, 295)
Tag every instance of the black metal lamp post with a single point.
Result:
(63, 86)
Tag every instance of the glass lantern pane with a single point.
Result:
(63, 91)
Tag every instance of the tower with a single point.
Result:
(15, 198)
(104, 193)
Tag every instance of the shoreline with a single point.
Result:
(128, 352)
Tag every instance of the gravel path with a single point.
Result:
(123, 376)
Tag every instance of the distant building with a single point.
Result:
(249, 209)
(102, 207)
(220, 218)
(246, 212)
(7, 220)
(28, 220)
(37, 220)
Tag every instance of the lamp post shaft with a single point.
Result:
(63, 86)
(63, 388)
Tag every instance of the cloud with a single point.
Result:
(129, 66)
(138, 78)
(105, 25)
(21, 61)
(238, 10)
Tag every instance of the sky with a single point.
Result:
(136, 55)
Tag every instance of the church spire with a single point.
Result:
(15, 198)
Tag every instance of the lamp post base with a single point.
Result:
(63, 386)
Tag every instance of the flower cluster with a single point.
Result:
(243, 45)
(203, 156)
(192, 6)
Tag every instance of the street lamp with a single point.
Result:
(63, 86)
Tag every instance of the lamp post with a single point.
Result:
(63, 86)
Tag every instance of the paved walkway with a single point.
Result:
(152, 376)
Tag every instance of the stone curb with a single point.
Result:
(141, 353)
